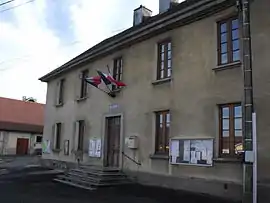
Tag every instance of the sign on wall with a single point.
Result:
(66, 147)
(94, 148)
(191, 151)
(46, 147)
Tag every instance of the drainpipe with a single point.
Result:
(248, 109)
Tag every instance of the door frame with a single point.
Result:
(105, 134)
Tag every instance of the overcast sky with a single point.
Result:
(39, 36)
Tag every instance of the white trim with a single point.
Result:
(254, 127)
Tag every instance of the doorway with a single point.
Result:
(113, 131)
(22, 146)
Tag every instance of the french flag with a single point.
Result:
(95, 81)
(108, 79)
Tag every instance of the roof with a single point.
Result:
(17, 115)
(184, 13)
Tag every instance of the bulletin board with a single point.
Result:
(94, 148)
(192, 151)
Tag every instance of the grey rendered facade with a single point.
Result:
(197, 86)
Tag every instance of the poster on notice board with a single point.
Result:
(191, 151)
(94, 148)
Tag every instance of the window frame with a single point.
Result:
(166, 68)
(40, 137)
(117, 71)
(58, 136)
(60, 99)
(81, 133)
(83, 90)
(231, 138)
(229, 40)
(165, 135)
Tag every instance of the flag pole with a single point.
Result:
(108, 69)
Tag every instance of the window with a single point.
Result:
(164, 60)
(231, 133)
(163, 120)
(81, 134)
(228, 41)
(58, 131)
(117, 70)
(84, 75)
(38, 139)
(61, 92)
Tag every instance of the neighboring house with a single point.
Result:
(184, 79)
(21, 127)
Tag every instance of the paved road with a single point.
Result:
(44, 192)
(18, 161)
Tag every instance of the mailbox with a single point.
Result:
(133, 142)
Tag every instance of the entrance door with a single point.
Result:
(113, 141)
(22, 146)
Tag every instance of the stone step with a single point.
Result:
(97, 173)
(99, 169)
(97, 176)
(97, 179)
(74, 184)
(86, 183)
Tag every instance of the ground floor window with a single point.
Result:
(39, 139)
(230, 130)
(163, 120)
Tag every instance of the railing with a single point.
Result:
(133, 160)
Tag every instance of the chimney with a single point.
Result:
(141, 14)
(165, 5)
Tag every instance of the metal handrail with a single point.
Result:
(136, 162)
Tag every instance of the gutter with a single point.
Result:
(180, 18)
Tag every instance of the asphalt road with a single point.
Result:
(16, 186)
(43, 192)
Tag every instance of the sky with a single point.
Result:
(38, 36)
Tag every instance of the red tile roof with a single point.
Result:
(21, 112)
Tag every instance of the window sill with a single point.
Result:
(59, 105)
(81, 99)
(159, 156)
(228, 160)
(161, 81)
(227, 66)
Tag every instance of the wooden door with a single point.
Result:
(113, 141)
(22, 146)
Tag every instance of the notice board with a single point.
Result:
(94, 148)
(191, 151)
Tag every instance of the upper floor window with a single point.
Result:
(163, 122)
(228, 41)
(117, 69)
(83, 93)
(60, 92)
(164, 69)
(231, 134)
